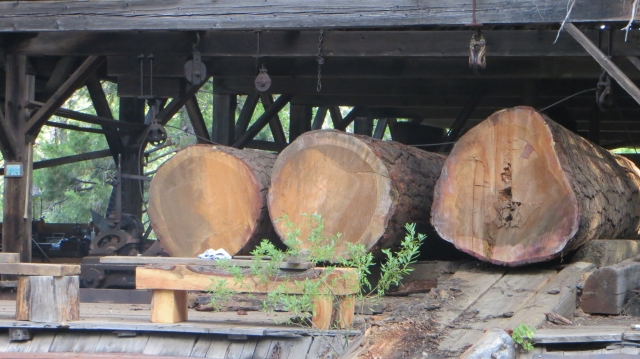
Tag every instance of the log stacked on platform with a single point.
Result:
(211, 197)
(519, 188)
(363, 188)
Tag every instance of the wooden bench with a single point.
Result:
(170, 282)
(46, 292)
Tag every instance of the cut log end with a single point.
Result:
(210, 197)
(336, 176)
(503, 195)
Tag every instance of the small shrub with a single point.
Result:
(522, 335)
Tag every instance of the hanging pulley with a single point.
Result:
(263, 81)
(477, 51)
(195, 70)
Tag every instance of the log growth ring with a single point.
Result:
(204, 198)
(502, 180)
(337, 176)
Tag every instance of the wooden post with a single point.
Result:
(17, 190)
(224, 118)
(363, 126)
(48, 298)
(299, 120)
(169, 306)
(594, 124)
(131, 110)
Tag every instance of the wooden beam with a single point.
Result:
(224, 118)
(292, 14)
(262, 121)
(394, 87)
(336, 116)
(363, 126)
(107, 123)
(68, 159)
(176, 104)
(63, 93)
(594, 124)
(101, 106)
(266, 145)
(418, 67)
(350, 117)
(40, 269)
(381, 128)
(246, 114)
(318, 120)
(604, 61)
(197, 121)
(8, 141)
(413, 44)
(461, 121)
(182, 277)
(58, 76)
(76, 128)
(299, 120)
(274, 124)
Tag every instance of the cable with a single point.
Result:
(567, 98)
(193, 134)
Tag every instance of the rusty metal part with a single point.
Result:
(477, 51)
(124, 296)
(94, 274)
(604, 97)
(114, 241)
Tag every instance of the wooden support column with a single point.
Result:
(363, 126)
(132, 110)
(224, 118)
(16, 236)
(299, 120)
(594, 124)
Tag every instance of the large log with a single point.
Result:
(364, 189)
(211, 197)
(519, 188)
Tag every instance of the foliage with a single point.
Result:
(67, 193)
(318, 250)
(522, 335)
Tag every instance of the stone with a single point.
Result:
(494, 343)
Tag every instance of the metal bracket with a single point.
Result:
(477, 51)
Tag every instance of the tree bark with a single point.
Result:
(519, 188)
(211, 197)
(364, 189)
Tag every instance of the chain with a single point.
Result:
(320, 60)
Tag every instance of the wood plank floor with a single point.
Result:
(205, 335)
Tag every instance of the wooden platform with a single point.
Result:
(206, 335)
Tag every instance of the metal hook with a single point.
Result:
(195, 44)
